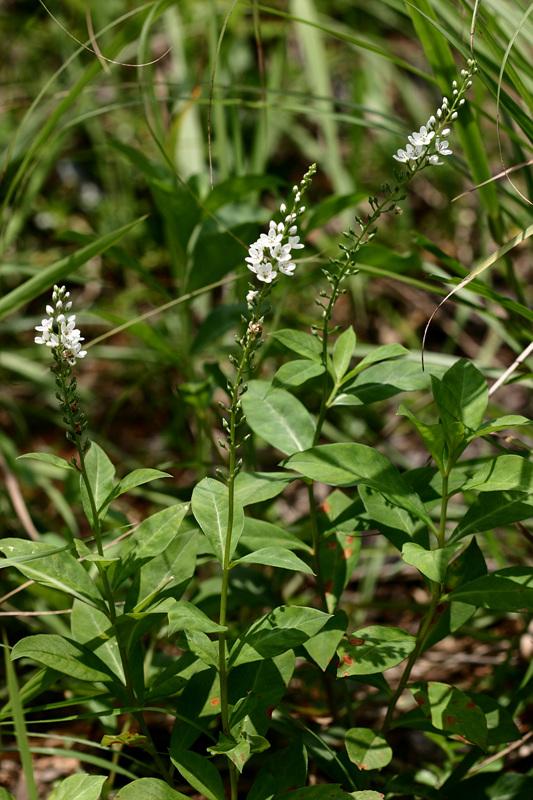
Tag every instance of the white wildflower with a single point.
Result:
(60, 332)
(250, 297)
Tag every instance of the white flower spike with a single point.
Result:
(427, 145)
(271, 253)
(60, 332)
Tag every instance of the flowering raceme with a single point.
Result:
(426, 146)
(59, 331)
(272, 252)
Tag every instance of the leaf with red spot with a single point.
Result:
(452, 711)
(373, 649)
(366, 749)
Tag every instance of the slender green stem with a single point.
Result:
(421, 637)
(429, 616)
(250, 337)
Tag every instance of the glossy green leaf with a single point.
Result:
(504, 473)
(175, 564)
(298, 372)
(385, 513)
(373, 649)
(59, 570)
(276, 556)
(299, 342)
(156, 532)
(185, 616)
(343, 352)
(323, 645)
(280, 630)
(202, 646)
(431, 435)
(386, 352)
(278, 417)
(100, 472)
(81, 787)
(149, 789)
(92, 628)
(281, 770)
(431, 563)
(502, 424)
(47, 458)
(63, 655)
(199, 772)
(461, 395)
(258, 534)
(366, 749)
(508, 589)
(381, 381)
(137, 478)
(338, 553)
(492, 510)
(452, 711)
(210, 506)
(255, 487)
(349, 464)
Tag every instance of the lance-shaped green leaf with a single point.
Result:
(63, 655)
(298, 372)
(431, 563)
(278, 417)
(185, 616)
(366, 749)
(92, 628)
(81, 786)
(255, 487)
(373, 649)
(338, 553)
(509, 589)
(137, 478)
(43, 563)
(452, 711)
(507, 472)
(299, 342)
(380, 381)
(276, 556)
(47, 458)
(280, 630)
(349, 464)
(323, 645)
(157, 531)
(461, 395)
(149, 789)
(210, 506)
(431, 435)
(199, 772)
(367, 794)
(280, 771)
(492, 510)
(100, 473)
(384, 353)
(258, 534)
(501, 424)
(342, 353)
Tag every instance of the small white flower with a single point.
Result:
(287, 268)
(265, 272)
(422, 137)
(57, 331)
(442, 148)
(401, 156)
(250, 297)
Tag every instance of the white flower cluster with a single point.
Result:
(59, 331)
(272, 252)
(429, 143)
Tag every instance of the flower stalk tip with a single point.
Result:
(59, 331)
